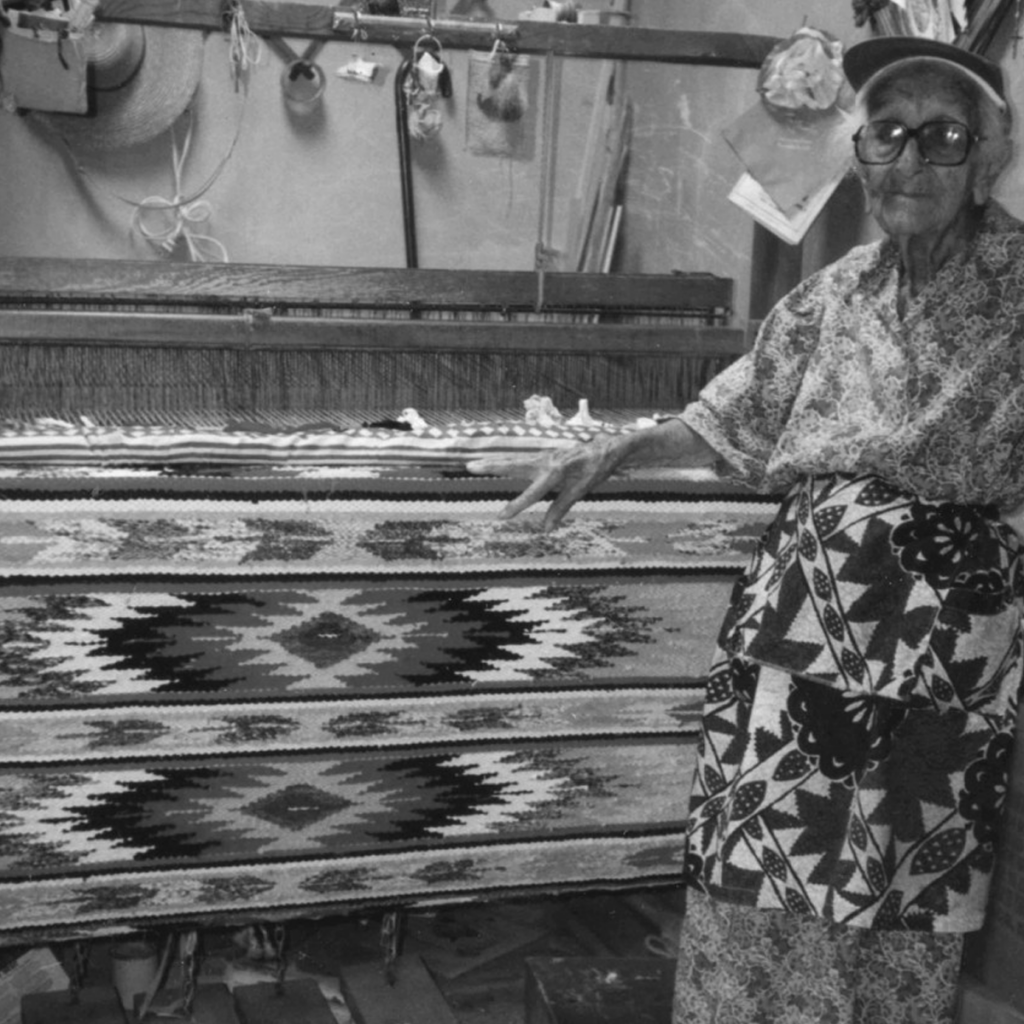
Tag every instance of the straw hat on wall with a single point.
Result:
(140, 80)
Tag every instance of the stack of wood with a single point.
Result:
(597, 206)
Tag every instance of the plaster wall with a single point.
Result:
(325, 189)
(320, 189)
(682, 170)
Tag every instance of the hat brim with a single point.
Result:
(866, 61)
(147, 105)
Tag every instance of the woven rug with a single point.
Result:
(227, 698)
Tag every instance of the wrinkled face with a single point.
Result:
(910, 197)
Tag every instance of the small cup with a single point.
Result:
(133, 966)
(302, 83)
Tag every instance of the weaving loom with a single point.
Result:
(293, 678)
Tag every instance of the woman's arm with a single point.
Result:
(575, 471)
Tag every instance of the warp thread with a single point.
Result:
(157, 381)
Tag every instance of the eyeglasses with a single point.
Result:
(943, 143)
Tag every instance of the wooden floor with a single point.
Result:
(464, 964)
(476, 954)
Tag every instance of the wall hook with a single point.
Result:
(504, 34)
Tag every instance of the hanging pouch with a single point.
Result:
(426, 85)
(43, 73)
(498, 105)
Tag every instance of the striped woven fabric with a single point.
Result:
(255, 440)
(228, 698)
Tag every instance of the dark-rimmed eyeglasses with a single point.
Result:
(943, 143)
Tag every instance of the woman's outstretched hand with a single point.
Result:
(574, 472)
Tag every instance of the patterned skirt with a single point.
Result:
(743, 966)
(858, 725)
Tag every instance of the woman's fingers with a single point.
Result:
(571, 492)
(557, 511)
(534, 493)
(506, 465)
(571, 471)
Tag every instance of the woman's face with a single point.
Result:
(910, 197)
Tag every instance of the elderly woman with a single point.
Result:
(861, 705)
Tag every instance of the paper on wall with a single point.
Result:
(793, 161)
(792, 225)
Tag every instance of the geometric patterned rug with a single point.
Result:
(229, 700)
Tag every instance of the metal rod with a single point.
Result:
(364, 25)
(549, 134)
(405, 163)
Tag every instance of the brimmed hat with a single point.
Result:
(141, 79)
(864, 61)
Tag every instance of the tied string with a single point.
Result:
(165, 223)
(245, 50)
(201, 247)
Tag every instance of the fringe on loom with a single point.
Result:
(84, 379)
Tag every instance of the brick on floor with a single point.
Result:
(94, 1005)
(599, 990)
(412, 997)
(296, 1002)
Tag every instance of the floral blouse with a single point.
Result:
(838, 382)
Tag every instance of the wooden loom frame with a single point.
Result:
(150, 305)
(144, 311)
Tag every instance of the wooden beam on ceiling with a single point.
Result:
(599, 42)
